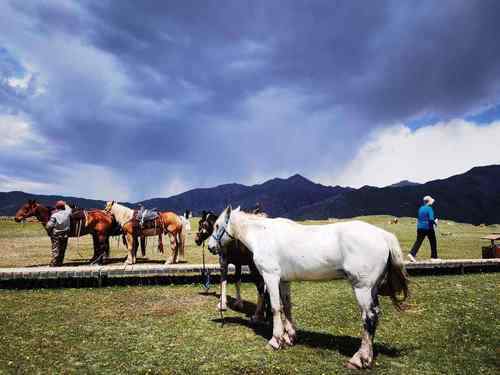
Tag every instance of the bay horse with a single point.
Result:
(284, 251)
(95, 222)
(236, 253)
(167, 222)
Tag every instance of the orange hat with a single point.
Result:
(60, 205)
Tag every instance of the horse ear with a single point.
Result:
(237, 209)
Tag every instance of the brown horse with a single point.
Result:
(239, 255)
(167, 222)
(95, 222)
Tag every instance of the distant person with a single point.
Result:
(425, 228)
(58, 228)
(257, 209)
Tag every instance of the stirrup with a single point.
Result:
(97, 260)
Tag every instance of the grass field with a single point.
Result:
(451, 327)
(28, 244)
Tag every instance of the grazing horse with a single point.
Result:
(166, 222)
(235, 253)
(284, 251)
(95, 222)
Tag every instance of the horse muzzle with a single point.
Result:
(214, 249)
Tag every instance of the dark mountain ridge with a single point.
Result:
(472, 197)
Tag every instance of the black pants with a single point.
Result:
(421, 234)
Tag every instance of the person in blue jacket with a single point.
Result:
(425, 228)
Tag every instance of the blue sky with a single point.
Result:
(151, 98)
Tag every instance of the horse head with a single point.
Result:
(109, 205)
(221, 235)
(27, 210)
(205, 227)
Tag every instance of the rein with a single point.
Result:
(206, 285)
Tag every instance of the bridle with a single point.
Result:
(108, 207)
(220, 235)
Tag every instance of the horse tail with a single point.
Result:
(182, 237)
(395, 281)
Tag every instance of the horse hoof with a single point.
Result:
(359, 362)
(352, 366)
(289, 339)
(274, 343)
(254, 319)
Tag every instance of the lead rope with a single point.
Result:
(78, 231)
(206, 285)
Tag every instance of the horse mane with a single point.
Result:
(122, 213)
(251, 215)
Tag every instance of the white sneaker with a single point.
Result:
(412, 258)
(435, 259)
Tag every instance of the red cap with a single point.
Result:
(60, 205)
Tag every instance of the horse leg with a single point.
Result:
(160, 243)
(106, 250)
(174, 247)
(143, 246)
(237, 283)
(222, 305)
(130, 247)
(95, 242)
(135, 247)
(272, 283)
(103, 240)
(260, 285)
(182, 243)
(290, 335)
(369, 305)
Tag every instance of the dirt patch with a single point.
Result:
(177, 305)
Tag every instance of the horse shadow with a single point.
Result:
(248, 308)
(343, 344)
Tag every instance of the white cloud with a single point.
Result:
(17, 134)
(10, 183)
(433, 152)
(20, 82)
(93, 182)
(175, 185)
(78, 180)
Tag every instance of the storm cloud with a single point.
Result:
(142, 99)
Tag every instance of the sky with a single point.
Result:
(131, 100)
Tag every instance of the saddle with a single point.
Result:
(146, 219)
(77, 214)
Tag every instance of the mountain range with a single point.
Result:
(471, 197)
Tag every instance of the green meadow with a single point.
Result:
(450, 327)
(28, 245)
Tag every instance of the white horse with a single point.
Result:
(285, 251)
